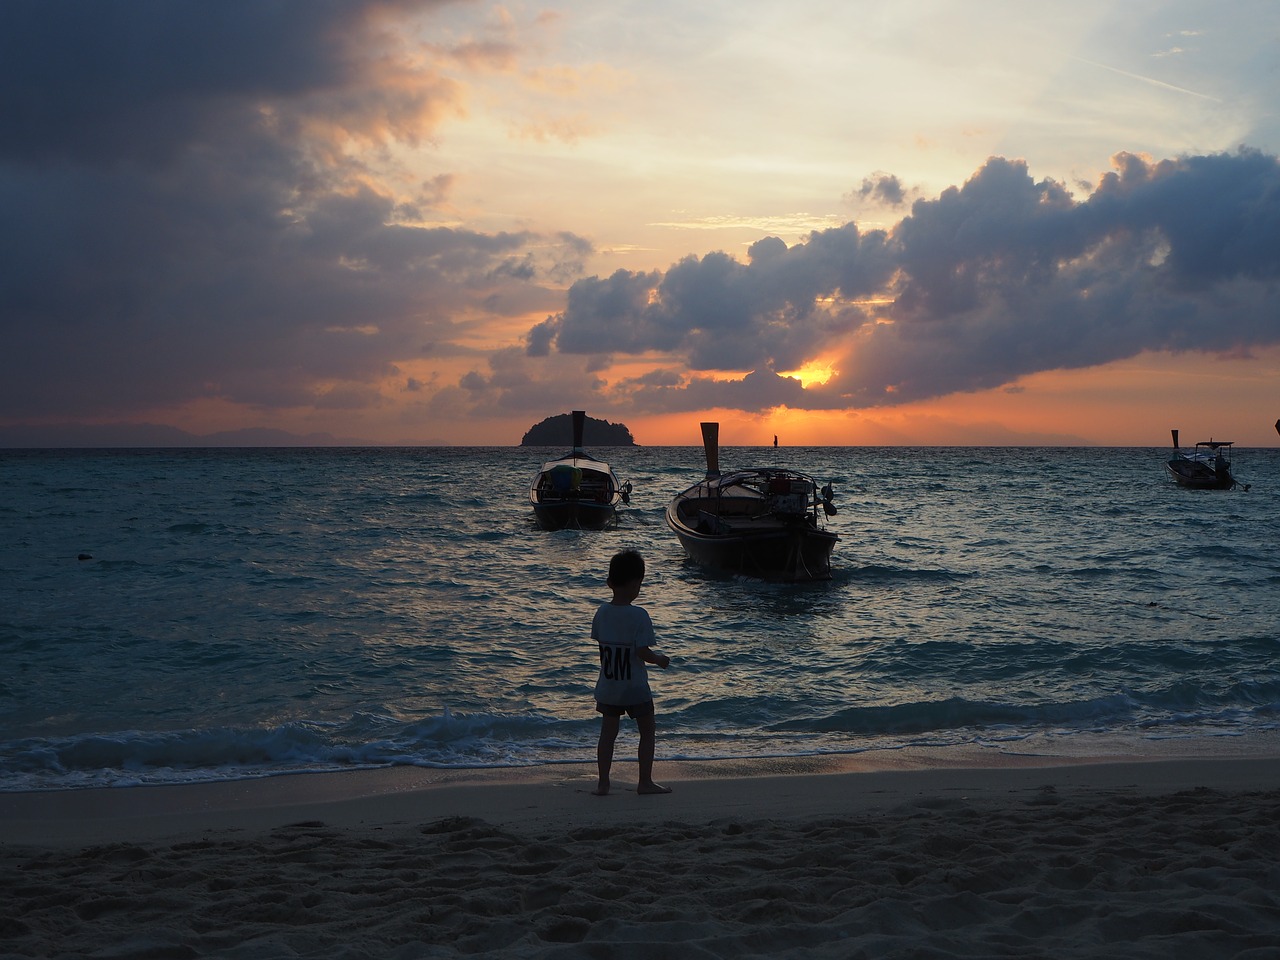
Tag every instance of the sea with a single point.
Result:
(193, 615)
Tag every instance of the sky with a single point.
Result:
(427, 222)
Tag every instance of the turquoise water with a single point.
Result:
(253, 612)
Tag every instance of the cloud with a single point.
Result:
(208, 203)
(721, 314)
(569, 82)
(191, 208)
(146, 80)
(1007, 276)
(758, 390)
(882, 188)
(990, 281)
(565, 129)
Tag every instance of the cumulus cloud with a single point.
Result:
(722, 314)
(993, 280)
(1008, 276)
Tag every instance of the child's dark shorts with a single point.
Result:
(636, 711)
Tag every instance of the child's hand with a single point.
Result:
(665, 662)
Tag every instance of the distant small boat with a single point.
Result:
(577, 490)
(761, 522)
(1207, 467)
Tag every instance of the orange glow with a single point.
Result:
(1129, 403)
(816, 372)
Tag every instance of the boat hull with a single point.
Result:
(1199, 475)
(789, 552)
(574, 515)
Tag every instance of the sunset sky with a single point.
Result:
(411, 221)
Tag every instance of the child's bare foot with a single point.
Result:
(601, 790)
(651, 787)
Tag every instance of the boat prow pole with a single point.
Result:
(1175, 438)
(711, 446)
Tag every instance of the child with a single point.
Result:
(625, 633)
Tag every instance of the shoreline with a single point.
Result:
(558, 796)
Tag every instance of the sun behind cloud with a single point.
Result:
(816, 371)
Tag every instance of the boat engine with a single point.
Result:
(828, 507)
(788, 496)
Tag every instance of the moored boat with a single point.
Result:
(760, 522)
(577, 490)
(1207, 467)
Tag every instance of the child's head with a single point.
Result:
(625, 568)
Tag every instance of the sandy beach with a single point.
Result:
(1161, 859)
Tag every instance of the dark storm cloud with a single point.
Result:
(181, 217)
(758, 390)
(1002, 277)
(140, 79)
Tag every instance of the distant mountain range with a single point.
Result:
(557, 431)
(147, 435)
(554, 431)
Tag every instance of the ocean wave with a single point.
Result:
(956, 713)
(366, 741)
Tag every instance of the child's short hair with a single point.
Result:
(626, 567)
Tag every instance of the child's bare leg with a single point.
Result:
(604, 752)
(648, 742)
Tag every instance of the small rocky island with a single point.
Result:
(557, 431)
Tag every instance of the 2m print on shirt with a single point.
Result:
(615, 662)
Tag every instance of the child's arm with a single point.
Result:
(657, 659)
